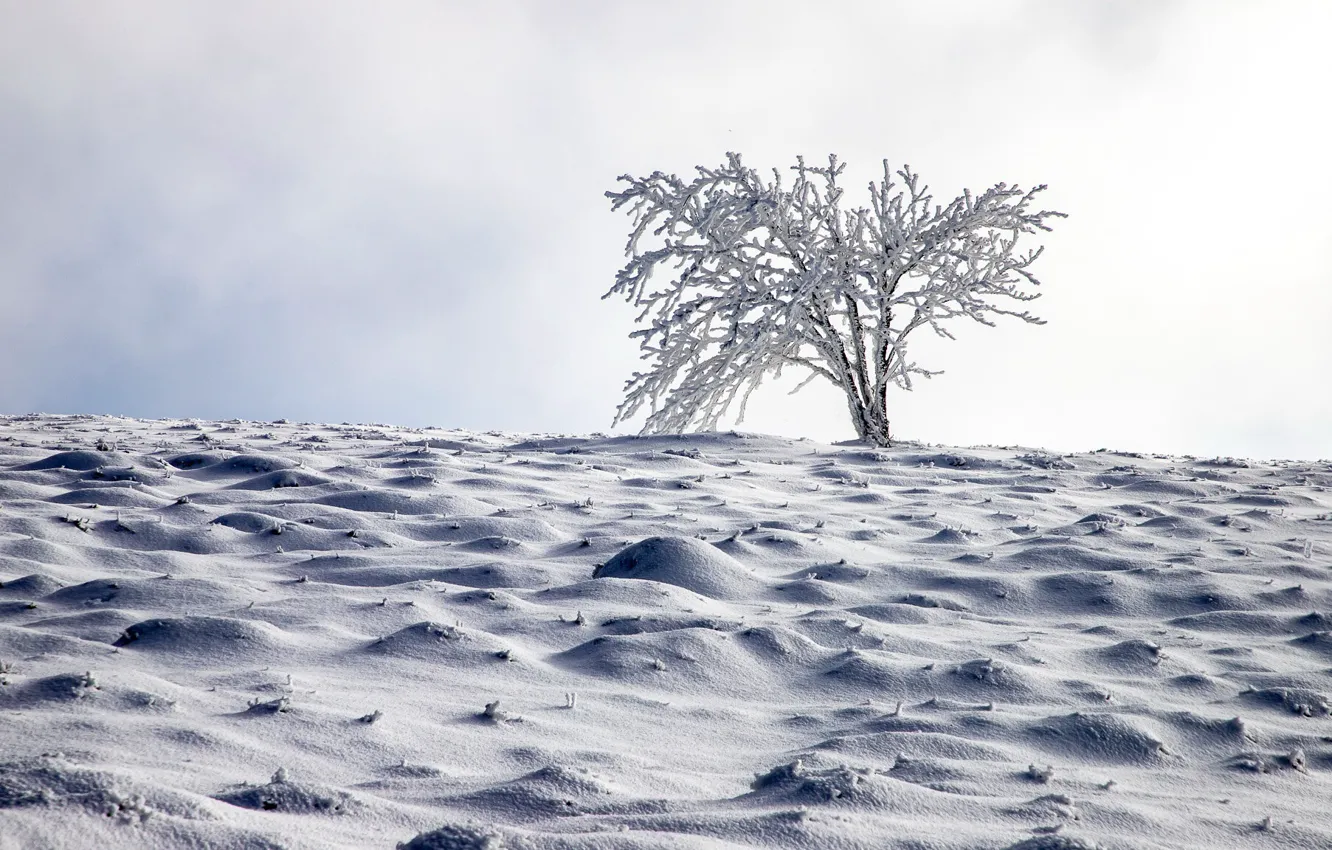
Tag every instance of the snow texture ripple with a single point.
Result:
(239, 635)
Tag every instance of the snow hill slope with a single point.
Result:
(244, 635)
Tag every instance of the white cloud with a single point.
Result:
(336, 211)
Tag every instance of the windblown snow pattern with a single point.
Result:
(263, 635)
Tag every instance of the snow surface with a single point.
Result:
(289, 635)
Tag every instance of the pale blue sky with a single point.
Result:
(344, 211)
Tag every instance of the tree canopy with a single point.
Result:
(738, 277)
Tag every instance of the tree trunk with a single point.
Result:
(871, 423)
(877, 432)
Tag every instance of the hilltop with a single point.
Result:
(241, 634)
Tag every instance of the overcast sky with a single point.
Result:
(394, 212)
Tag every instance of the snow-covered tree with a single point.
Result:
(746, 276)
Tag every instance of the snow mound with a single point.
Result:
(111, 497)
(152, 593)
(51, 781)
(282, 795)
(686, 660)
(437, 642)
(32, 585)
(388, 501)
(250, 464)
(282, 479)
(684, 562)
(64, 688)
(216, 638)
(76, 461)
(1104, 737)
(1055, 842)
(454, 838)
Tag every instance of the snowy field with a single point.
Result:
(245, 635)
